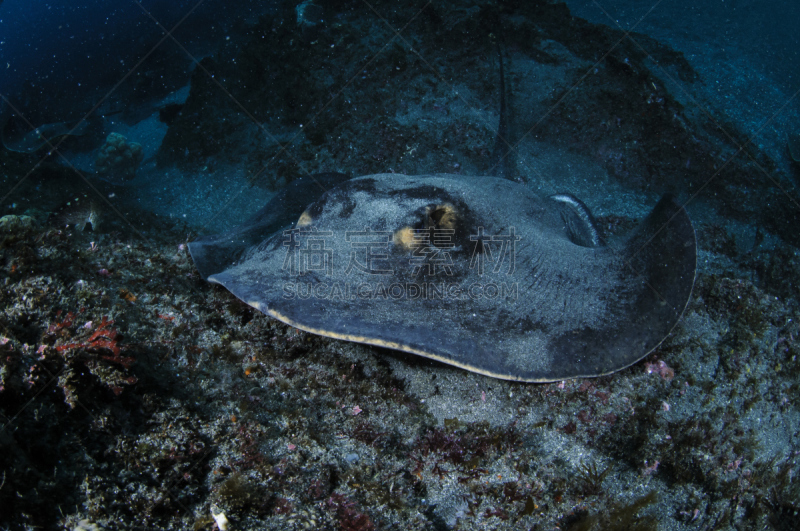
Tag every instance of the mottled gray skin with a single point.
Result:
(545, 307)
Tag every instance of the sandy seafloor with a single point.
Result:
(191, 403)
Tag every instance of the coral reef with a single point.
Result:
(12, 224)
(119, 157)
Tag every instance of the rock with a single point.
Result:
(119, 157)
(11, 224)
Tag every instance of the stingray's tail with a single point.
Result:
(502, 161)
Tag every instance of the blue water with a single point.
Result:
(60, 58)
(113, 62)
(762, 32)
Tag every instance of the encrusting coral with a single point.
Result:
(119, 156)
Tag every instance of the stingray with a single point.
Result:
(476, 272)
(17, 136)
(20, 139)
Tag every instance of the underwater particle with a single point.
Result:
(119, 157)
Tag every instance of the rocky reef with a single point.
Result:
(119, 157)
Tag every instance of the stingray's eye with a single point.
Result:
(444, 216)
(437, 227)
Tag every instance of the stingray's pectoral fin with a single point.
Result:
(658, 270)
(655, 277)
(217, 252)
(662, 252)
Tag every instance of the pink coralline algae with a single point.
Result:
(105, 338)
(660, 368)
(650, 468)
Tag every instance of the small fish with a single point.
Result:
(80, 212)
